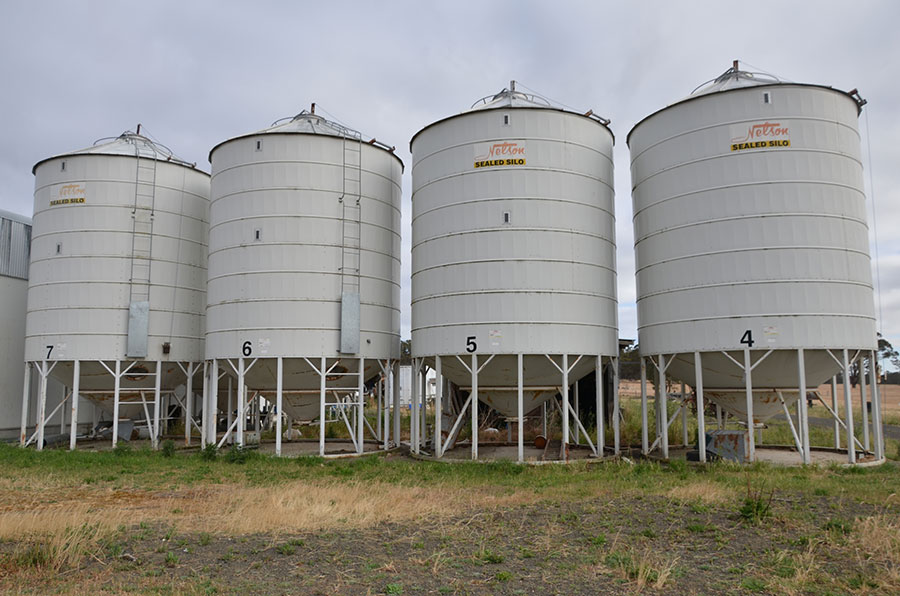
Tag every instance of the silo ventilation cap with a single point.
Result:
(735, 78)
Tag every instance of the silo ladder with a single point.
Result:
(142, 214)
(350, 244)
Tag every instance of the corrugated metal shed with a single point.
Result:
(15, 245)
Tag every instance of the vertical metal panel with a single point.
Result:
(15, 247)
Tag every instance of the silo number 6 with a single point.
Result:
(471, 346)
(247, 348)
(747, 338)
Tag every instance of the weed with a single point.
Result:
(503, 576)
(838, 526)
(648, 533)
(756, 506)
(168, 448)
(122, 449)
(171, 559)
(697, 528)
(598, 540)
(393, 589)
(209, 452)
(753, 584)
(525, 553)
(489, 556)
(286, 549)
(237, 455)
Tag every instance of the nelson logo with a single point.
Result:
(505, 153)
(767, 134)
(69, 194)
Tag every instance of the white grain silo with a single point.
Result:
(117, 287)
(513, 270)
(304, 276)
(752, 250)
(15, 248)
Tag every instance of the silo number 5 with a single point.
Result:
(747, 338)
(471, 346)
(247, 348)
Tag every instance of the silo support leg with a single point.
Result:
(684, 420)
(76, 387)
(848, 406)
(474, 372)
(645, 431)
(599, 409)
(863, 398)
(701, 412)
(229, 416)
(617, 413)
(395, 390)
(361, 405)
(876, 408)
(662, 406)
(520, 439)
(834, 407)
(204, 414)
(439, 404)
(802, 405)
(26, 394)
(279, 380)
(414, 386)
(576, 411)
(748, 388)
(118, 380)
(156, 398)
(189, 403)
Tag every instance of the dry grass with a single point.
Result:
(876, 540)
(706, 493)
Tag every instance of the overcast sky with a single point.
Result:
(197, 72)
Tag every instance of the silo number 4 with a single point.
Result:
(747, 338)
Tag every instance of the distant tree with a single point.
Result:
(630, 362)
(406, 351)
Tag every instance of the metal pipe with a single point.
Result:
(804, 410)
(229, 416)
(565, 408)
(279, 387)
(701, 412)
(616, 408)
(361, 391)
(474, 406)
(748, 388)
(204, 412)
(577, 413)
(189, 404)
(598, 391)
(876, 408)
(116, 387)
(848, 404)
(521, 406)
(26, 394)
(76, 385)
(662, 406)
(863, 399)
(213, 398)
(395, 388)
(645, 438)
(156, 389)
(438, 406)
(42, 405)
(414, 405)
(684, 421)
(834, 406)
(242, 400)
(322, 371)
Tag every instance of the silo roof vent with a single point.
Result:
(735, 78)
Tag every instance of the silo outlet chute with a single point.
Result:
(751, 246)
(513, 263)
